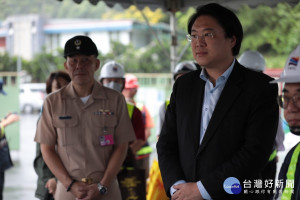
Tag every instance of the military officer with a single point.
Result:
(90, 126)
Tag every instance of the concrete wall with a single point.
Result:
(10, 103)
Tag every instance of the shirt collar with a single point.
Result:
(223, 77)
(98, 91)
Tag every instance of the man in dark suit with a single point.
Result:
(221, 123)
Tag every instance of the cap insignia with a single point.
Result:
(77, 43)
(115, 69)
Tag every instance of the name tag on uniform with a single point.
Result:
(106, 140)
(65, 117)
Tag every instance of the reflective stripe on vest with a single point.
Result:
(290, 175)
(130, 109)
(273, 155)
(1, 130)
(144, 150)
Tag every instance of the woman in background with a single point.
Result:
(46, 183)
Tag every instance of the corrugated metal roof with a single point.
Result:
(176, 5)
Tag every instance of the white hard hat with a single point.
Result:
(184, 67)
(253, 60)
(112, 69)
(291, 72)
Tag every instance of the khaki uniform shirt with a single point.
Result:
(85, 133)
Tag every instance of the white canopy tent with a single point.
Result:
(176, 5)
(172, 6)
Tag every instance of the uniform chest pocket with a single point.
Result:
(68, 131)
(105, 125)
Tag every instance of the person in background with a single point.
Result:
(221, 122)
(10, 118)
(112, 75)
(84, 129)
(155, 179)
(129, 92)
(255, 61)
(288, 186)
(46, 183)
(180, 69)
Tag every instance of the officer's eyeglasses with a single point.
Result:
(203, 37)
(284, 101)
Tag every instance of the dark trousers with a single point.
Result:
(1, 184)
(144, 164)
(269, 173)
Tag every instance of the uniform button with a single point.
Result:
(205, 109)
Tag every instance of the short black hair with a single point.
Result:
(225, 17)
(55, 76)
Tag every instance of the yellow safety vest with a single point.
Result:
(290, 175)
(167, 103)
(146, 149)
(130, 109)
(1, 131)
(273, 155)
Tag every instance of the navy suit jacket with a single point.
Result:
(238, 140)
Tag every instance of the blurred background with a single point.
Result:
(148, 41)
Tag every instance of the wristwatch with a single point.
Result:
(102, 189)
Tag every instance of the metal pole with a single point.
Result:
(173, 59)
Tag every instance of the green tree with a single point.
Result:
(145, 60)
(274, 32)
(133, 13)
(8, 63)
(182, 19)
(52, 8)
(149, 59)
(43, 64)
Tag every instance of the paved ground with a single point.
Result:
(20, 181)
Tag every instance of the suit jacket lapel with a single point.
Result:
(197, 102)
(228, 95)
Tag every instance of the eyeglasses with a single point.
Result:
(284, 101)
(204, 36)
